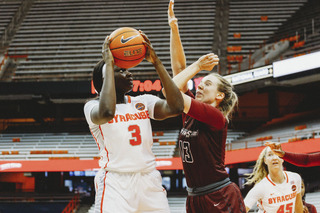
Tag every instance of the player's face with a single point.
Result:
(207, 91)
(272, 160)
(123, 79)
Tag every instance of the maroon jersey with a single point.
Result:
(305, 160)
(311, 208)
(202, 144)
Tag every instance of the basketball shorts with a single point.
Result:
(130, 193)
(225, 200)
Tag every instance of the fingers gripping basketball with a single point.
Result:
(127, 48)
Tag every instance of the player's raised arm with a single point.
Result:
(173, 104)
(178, 59)
(205, 62)
(104, 112)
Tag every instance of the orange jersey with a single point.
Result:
(125, 142)
(272, 197)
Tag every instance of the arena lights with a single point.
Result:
(297, 64)
(250, 75)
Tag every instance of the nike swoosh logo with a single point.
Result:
(123, 41)
(216, 204)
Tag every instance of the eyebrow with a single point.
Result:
(208, 81)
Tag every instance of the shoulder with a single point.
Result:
(262, 184)
(87, 110)
(255, 193)
(148, 98)
(293, 175)
(89, 104)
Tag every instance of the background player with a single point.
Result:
(298, 159)
(275, 190)
(203, 136)
(307, 207)
(128, 180)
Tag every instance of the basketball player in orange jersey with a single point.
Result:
(128, 181)
(275, 190)
(203, 136)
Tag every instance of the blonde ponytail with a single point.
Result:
(260, 169)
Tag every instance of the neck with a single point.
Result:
(277, 176)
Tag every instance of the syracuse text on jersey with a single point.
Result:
(127, 117)
(282, 198)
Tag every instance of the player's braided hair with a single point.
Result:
(230, 99)
(97, 76)
(260, 169)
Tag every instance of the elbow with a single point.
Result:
(180, 66)
(178, 109)
(107, 115)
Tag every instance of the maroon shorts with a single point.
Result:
(226, 200)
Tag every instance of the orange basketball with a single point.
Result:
(127, 48)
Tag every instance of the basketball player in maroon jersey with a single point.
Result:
(203, 136)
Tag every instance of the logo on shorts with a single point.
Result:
(140, 106)
(216, 204)
(293, 187)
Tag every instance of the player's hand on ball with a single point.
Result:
(207, 62)
(106, 53)
(171, 17)
(151, 55)
(276, 148)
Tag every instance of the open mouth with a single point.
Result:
(198, 93)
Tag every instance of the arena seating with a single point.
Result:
(64, 145)
(30, 146)
(31, 202)
(62, 39)
(7, 11)
(290, 128)
(252, 24)
(305, 25)
(311, 44)
(177, 204)
(300, 22)
(313, 198)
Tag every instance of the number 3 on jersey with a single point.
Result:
(135, 135)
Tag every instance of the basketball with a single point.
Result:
(127, 48)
